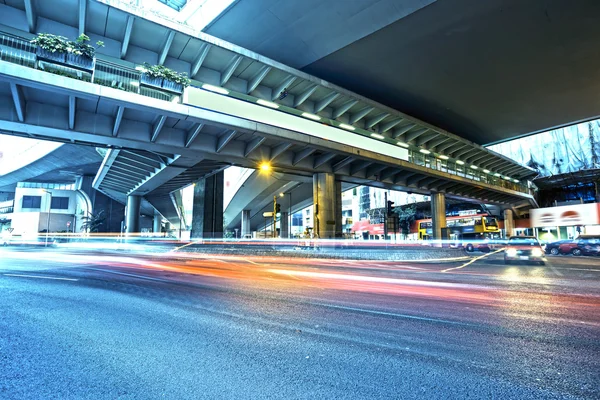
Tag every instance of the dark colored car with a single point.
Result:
(524, 248)
(583, 245)
(554, 247)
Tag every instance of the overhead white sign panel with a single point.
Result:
(578, 214)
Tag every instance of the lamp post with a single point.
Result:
(48, 219)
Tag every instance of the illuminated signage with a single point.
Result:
(578, 214)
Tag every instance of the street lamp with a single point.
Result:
(48, 219)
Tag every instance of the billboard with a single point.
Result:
(578, 214)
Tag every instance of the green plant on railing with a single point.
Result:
(80, 46)
(51, 43)
(160, 71)
(61, 44)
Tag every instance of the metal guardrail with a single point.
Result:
(7, 210)
(20, 51)
(463, 170)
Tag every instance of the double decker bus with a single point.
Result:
(473, 232)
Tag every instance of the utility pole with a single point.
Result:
(274, 215)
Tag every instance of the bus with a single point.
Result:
(473, 232)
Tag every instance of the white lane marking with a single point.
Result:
(391, 314)
(577, 269)
(41, 277)
(473, 260)
(130, 275)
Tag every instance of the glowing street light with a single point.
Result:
(265, 167)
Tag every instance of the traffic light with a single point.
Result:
(390, 207)
(277, 208)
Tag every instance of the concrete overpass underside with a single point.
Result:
(85, 113)
(361, 141)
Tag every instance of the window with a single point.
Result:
(60, 203)
(31, 202)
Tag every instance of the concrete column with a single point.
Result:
(132, 217)
(339, 230)
(157, 223)
(207, 217)
(246, 229)
(438, 214)
(326, 215)
(509, 223)
(284, 224)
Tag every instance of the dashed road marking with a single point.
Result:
(41, 277)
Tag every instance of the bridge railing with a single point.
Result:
(20, 51)
(465, 171)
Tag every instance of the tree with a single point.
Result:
(406, 216)
(93, 222)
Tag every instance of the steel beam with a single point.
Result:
(118, 119)
(302, 97)
(389, 125)
(449, 147)
(373, 171)
(343, 108)
(125, 169)
(166, 47)
(19, 100)
(322, 159)
(302, 155)
(147, 170)
(72, 110)
(375, 120)
(31, 16)
(283, 85)
(158, 127)
(202, 53)
(233, 64)
(388, 173)
(258, 78)
(279, 149)
(192, 134)
(127, 35)
(321, 104)
(341, 164)
(359, 166)
(253, 145)
(401, 131)
(422, 141)
(436, 142)
(224, 140)
(82, 15)
(354, 118)
(410, 136)
(131, 157)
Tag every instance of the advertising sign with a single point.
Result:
(573, 215)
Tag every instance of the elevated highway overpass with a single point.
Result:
(234, 113)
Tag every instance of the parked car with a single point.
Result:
(588, 245)
(524, 248)
(554, 247)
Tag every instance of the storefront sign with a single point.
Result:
(579, 214)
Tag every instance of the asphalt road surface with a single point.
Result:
(176, 326)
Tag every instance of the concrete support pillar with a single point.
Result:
(207, 217)
(509, 223)
(132, 217)
(284, 224)
(157, 223)
(246, 229)
(438, 214)
(327, 211)
(339, 230)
